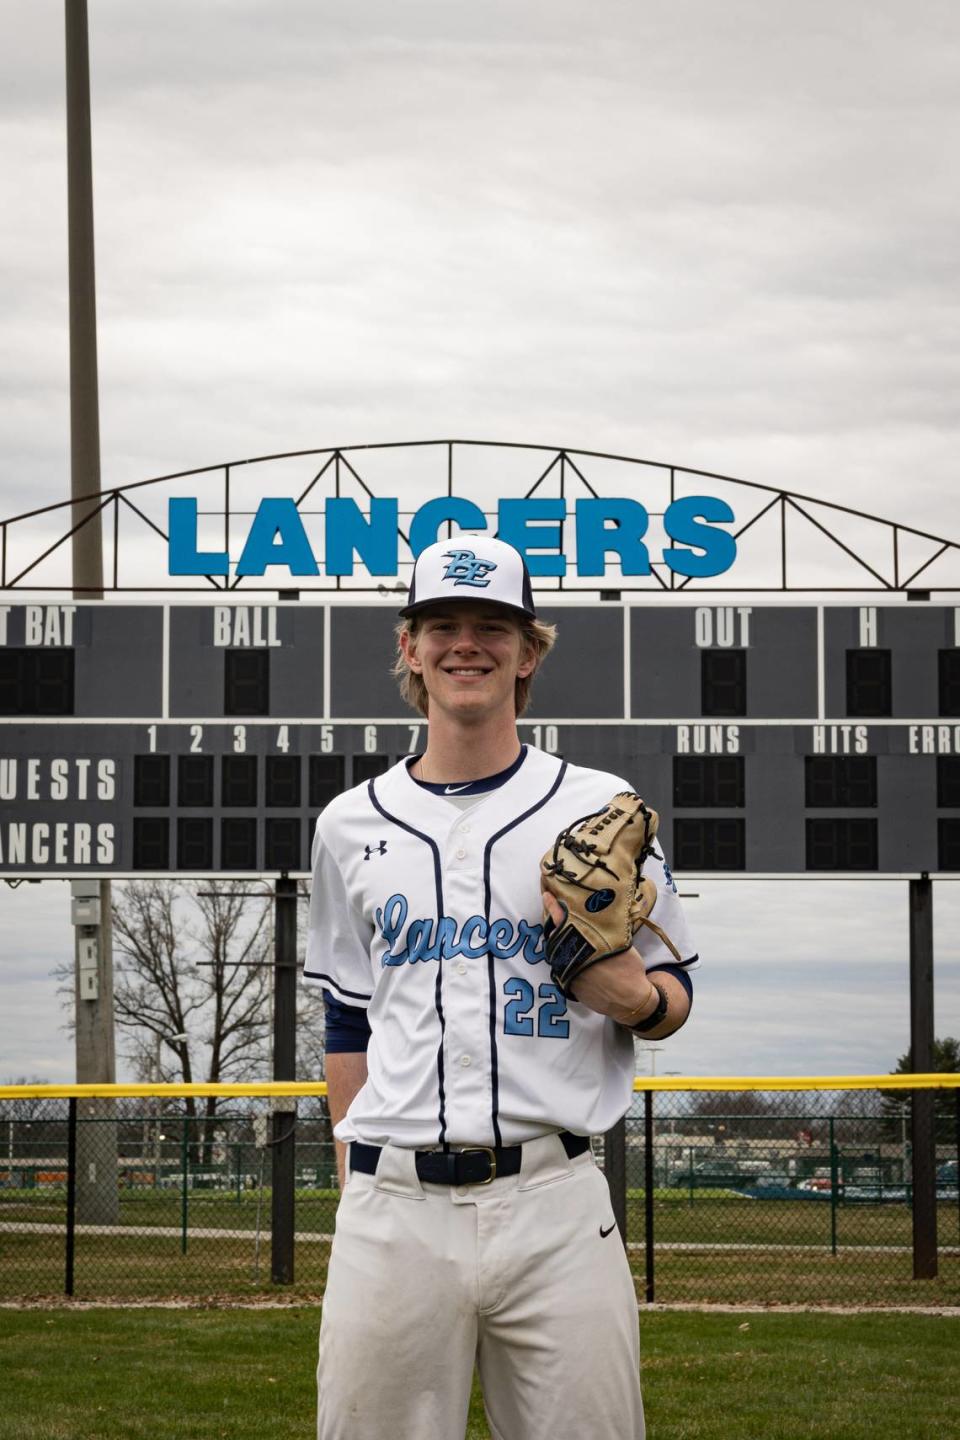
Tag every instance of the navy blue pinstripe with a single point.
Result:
(438, 995)
(517, 820)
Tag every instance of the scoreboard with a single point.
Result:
(153, 739)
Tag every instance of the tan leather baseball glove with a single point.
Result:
(595, 870)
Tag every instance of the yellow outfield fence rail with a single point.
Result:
(277, 1088)
(784, 1189)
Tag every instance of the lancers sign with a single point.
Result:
(614, 526)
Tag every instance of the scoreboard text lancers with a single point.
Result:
(153, 739)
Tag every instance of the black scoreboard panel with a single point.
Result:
(890, 661)
(773, 739)
(589, 677)
(168, 796)
(737, 798)
(81, 660)
(723, 661)
(581, 687)
(362, 651)
(253, 660)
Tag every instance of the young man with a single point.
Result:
(474, 1226)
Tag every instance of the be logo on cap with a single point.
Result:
(457, 569)
(466, 569)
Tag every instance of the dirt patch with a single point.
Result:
(230, 1302)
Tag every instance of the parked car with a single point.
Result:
(719, 1174)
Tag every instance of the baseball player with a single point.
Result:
(474, 1228)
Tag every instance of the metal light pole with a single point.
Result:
(653, 1051)
(673, 1118)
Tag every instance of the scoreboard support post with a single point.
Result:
(284, 1068)
(97, 1197)
(922, 1111)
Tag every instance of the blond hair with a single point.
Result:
(536, 634)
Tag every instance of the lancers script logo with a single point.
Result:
(436, 938)
(598, 531)
(466, 569)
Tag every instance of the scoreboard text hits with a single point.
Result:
(200, 739)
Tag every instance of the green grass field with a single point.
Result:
(721, 1248)
(248, 1375)
(719, 1215)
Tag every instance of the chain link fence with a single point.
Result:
(804, 1197)
(158, 1198)
(729, 1196)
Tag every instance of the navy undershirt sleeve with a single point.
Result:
(680, 974)
(347, 1026)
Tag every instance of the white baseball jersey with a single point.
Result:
(430, 917)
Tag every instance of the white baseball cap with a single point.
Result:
(471, 567)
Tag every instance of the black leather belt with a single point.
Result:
(475, 1165)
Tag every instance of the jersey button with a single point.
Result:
(465, 1060)
(461, 853)
(461, 968)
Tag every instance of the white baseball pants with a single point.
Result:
(516, 1277)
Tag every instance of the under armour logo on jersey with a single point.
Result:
(466, 569)
(379, 849)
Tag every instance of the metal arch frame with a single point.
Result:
(566, 458)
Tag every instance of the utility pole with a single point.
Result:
(84, 390)
(96, 1178)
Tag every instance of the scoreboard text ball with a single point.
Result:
(202, 739)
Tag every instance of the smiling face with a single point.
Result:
(469, 656)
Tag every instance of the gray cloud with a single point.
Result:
(722, 236)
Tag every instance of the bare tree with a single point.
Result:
(311, 1055)
(192, 989)
(26, 1107)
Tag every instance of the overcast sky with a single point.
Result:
(722, 236)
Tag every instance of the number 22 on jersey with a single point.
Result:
(518, 1018)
